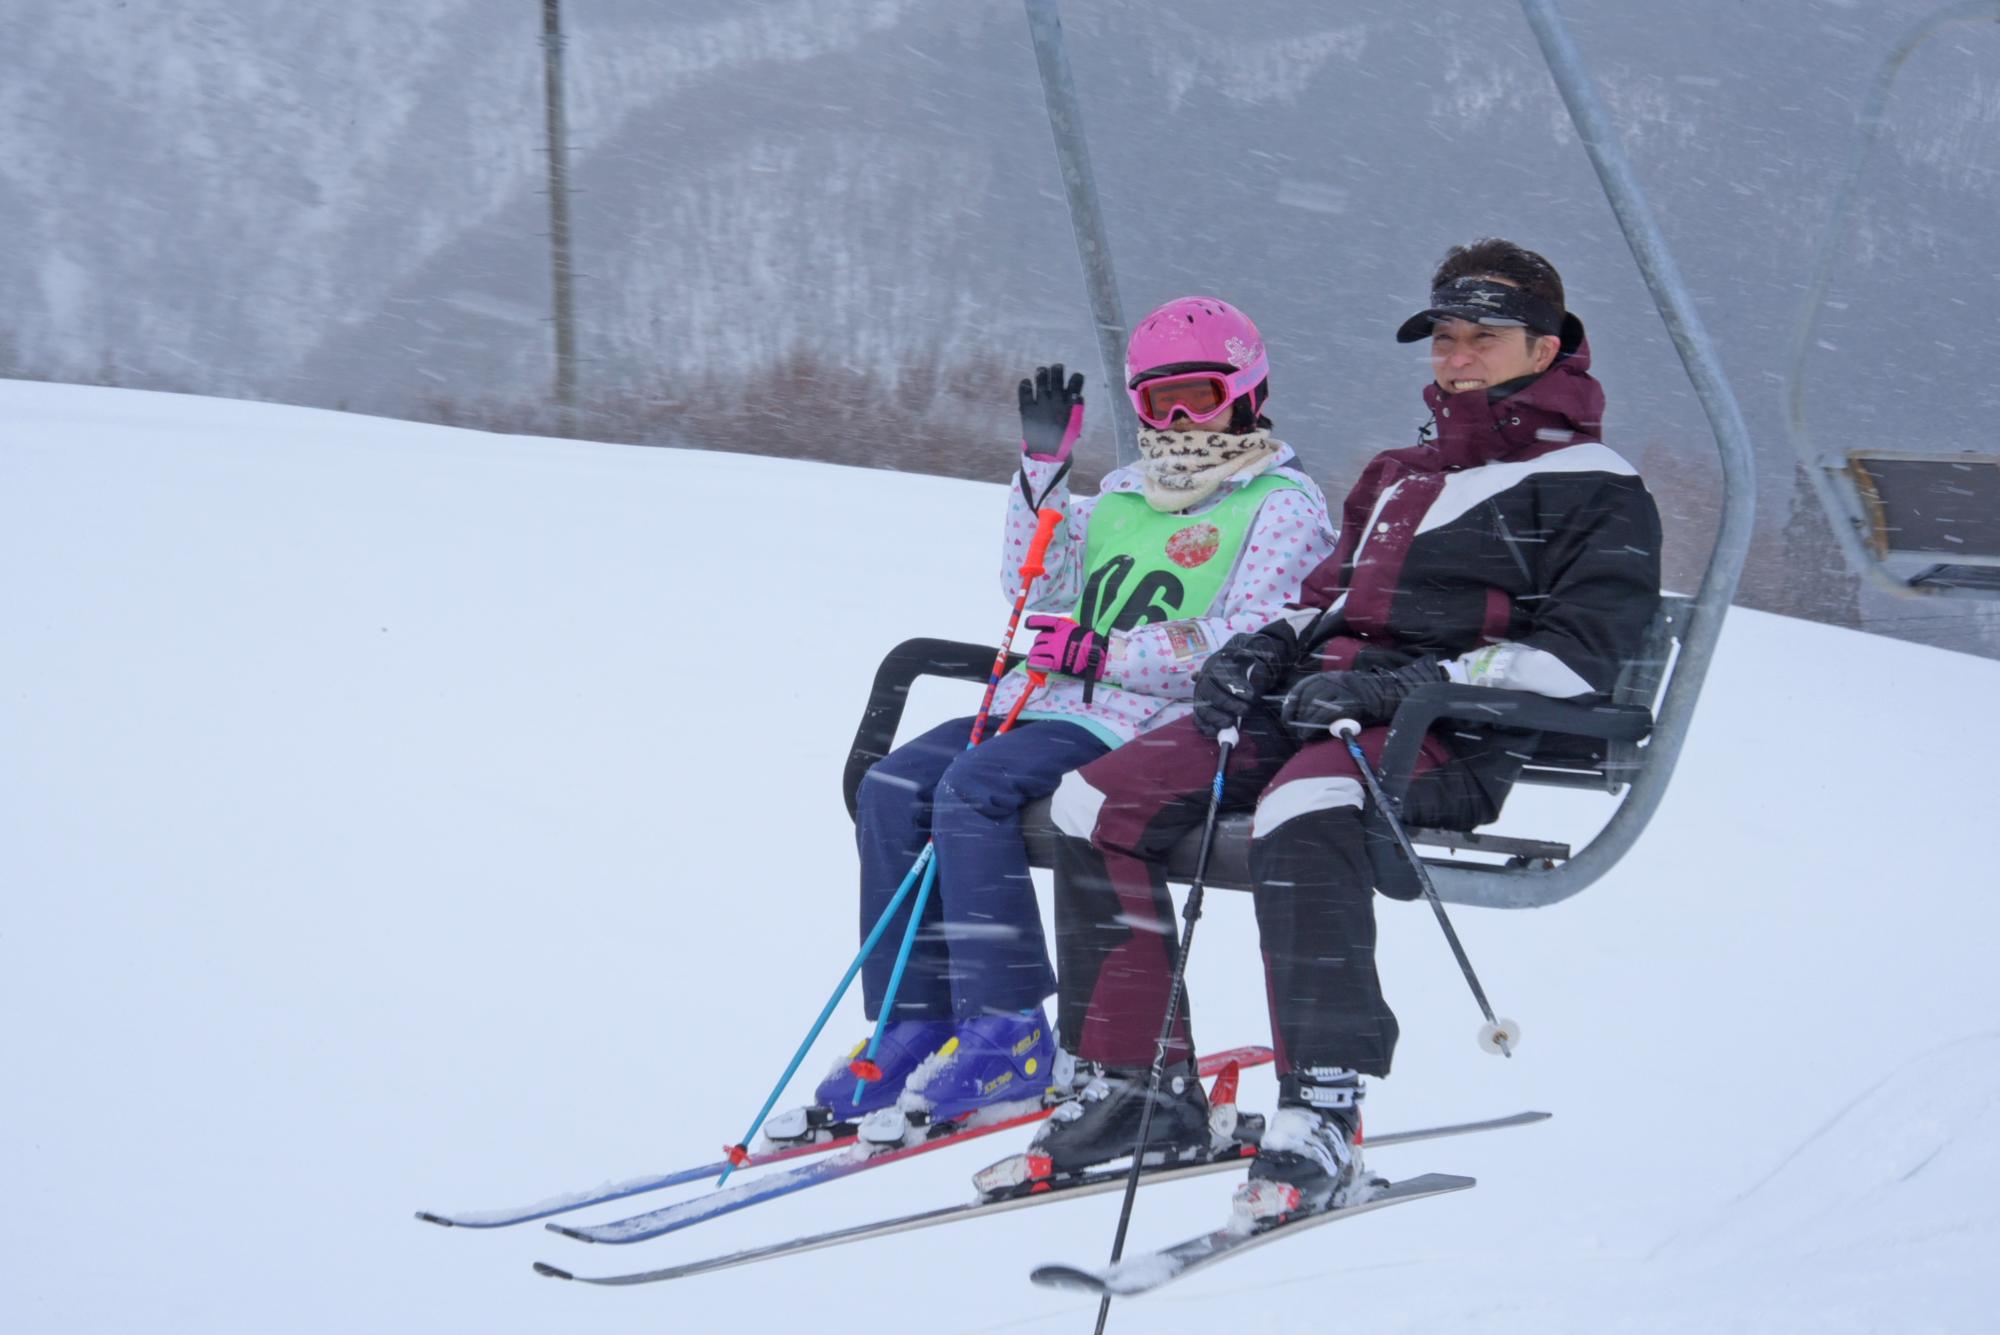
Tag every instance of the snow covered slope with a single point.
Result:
(394, 817)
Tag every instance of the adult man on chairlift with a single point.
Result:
(1508, 548)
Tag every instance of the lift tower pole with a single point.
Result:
(562, 269)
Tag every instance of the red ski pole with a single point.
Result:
(1032, 569)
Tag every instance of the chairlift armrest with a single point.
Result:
(1522, 710)
(954, 660)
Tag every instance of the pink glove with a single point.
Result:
(1061, 645)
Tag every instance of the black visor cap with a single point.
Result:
(1483, 301)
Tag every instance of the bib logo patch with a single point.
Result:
(1187, 639)
(1194, 545)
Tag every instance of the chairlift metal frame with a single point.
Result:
(1632, 743)
(1870, 529)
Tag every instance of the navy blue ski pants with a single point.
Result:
(980, 947)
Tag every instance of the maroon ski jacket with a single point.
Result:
(1513, 526)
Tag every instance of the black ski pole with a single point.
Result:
(1226, 741)
(1497, 1035)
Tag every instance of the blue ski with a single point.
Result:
(1088, 1184)
(555, 1205)
(857, 1158)
(616, 1191)
(605, 1193)
(742, 1195)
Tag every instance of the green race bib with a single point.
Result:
(1142, 566)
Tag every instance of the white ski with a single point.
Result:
(1150, 1270)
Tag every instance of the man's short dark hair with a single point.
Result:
(1490, 256)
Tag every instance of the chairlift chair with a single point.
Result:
(1915, 523)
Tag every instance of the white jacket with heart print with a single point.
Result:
(1150, 671)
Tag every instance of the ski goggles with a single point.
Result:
(1200, 395)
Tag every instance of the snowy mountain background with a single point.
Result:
(834, 229)
(397, 817)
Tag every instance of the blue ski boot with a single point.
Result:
(995, 1064)
(835, 1110)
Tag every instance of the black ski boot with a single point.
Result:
(1102, 1122)
(1310, 1155)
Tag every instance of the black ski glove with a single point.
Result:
(1242, 672)
(1317, 702)
(1051, 413)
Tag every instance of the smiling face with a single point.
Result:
(1467, 356)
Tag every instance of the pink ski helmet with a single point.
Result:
(1191, 335)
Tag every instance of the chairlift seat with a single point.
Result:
(1932, 518)
(1597, 746)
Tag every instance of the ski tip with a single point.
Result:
(553, 1272)
(1067, 1277)
(569, 1231)
(438, 1219)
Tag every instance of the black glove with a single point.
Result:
(1241, 673)
(1317, 702)
(1051, 413)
